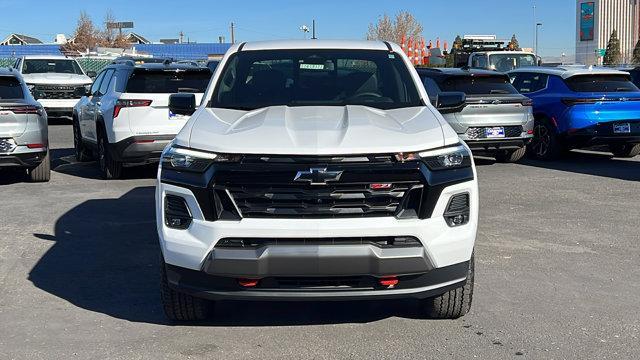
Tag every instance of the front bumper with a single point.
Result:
(140, 149)
(190, 248)
(55, 107)
(420, 286)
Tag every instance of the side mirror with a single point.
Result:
(91, 74)
(451, 102)
(82, 91)
(182, 104)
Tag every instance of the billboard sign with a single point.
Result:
(587, 14)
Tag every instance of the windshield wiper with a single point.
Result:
(499, 92)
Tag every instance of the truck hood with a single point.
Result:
(314, 130)
(57, 79)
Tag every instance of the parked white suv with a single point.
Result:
(57, 79)
(124, 118)
(316, 170)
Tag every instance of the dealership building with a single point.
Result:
(596, 19)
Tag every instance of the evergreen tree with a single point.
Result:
(613, 56)
(514, 44)
(636, 54)
(455, 47)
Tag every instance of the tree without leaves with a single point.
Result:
(388, 29)
(87, 36)
(636, 54)
(112, 37)
(613, 56)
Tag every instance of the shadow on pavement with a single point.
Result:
(104, 259)
(591, 163)
(63, 161)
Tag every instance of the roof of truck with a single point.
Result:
(47, 57)
(315, 44)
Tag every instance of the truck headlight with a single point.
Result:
(184, 159)
(451, 157)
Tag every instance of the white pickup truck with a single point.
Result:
(57, 79)
(502, 61)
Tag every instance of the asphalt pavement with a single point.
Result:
(557, 269)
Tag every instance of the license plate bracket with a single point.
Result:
(622, 128)
(494, 132)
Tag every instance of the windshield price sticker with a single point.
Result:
(312, 66)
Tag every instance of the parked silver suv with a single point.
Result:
(496, 120)
(23, 128)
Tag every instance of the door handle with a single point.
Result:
(98, 103)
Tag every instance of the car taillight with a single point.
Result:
(527, 102)
(572, 101)
(579, 101)
(26, 110)
(128, 103)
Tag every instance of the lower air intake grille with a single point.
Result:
(481, 132)
(381, 241)
(177, 214)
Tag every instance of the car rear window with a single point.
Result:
(168, 81)
(10, 88)
(478, 85)
(600, 83)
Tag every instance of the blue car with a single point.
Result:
(578, 107)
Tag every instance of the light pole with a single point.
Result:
(538, 25)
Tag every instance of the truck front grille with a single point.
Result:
(358, 200)
(481, 132)
(58, 91)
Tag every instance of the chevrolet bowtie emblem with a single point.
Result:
(317, 176)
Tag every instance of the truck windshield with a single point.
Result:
(40, 66)
(10, 88)
(507, 62)
(479, 85)
(257, 79)
(601, 83)
(168, 81)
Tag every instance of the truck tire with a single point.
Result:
(625, 150)
(110, 168)
(179, 306)
(546, 144)
(42, 172)
(510, 156)
(454, 303)
(82, 154)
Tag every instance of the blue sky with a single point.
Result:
(204, 21)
